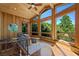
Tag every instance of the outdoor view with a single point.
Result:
(34, 29)
(46, 23)
(35, 26)
(66, 27)
(46, 28)
(24, 28)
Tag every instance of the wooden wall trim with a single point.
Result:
(77, 25)
(7, 19)
(0, 24)
(44, 19)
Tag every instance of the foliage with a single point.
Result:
(45, 27)
(65, 27)
(24, 28)
(34, 27)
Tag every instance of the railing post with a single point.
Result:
(77, 25)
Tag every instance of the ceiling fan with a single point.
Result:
(33, 5)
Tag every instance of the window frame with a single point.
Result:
(32, 22)
(67, 11)
(49, 18)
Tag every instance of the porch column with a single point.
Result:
(0, 24)
(39, 26)
(77, 26)
(75, 47)
(0, 28)
(53, 24)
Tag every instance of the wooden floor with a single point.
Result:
(57, 50)
(62, 50)
(42, 48)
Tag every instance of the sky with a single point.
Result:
(46, 14)
(59, 9)
(71, 15)
(63, 7)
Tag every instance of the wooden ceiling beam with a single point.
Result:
(59, 4)
(45, 19)
(43, 9)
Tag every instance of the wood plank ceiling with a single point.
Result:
(21, 9)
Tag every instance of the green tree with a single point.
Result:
(24, 28)
(65, 28)
(66, 24)
(34, 27)
(45, 27)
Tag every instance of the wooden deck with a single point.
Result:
(42, 48)
(57, 50)
(62, 50)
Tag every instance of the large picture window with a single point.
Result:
(35, 25)
(66, 27)
(46, 28)
(46, 23)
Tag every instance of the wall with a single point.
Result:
(5, 20)
(77, 26)
(0, 25)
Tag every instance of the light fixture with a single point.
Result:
(14, 8)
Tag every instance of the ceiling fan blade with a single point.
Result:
(30, 7)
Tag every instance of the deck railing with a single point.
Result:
(66, 36)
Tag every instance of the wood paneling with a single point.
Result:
(0, 27)
(5, 25)
(5, 20)
(0, 24)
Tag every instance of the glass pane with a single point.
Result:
(63, 7)
(34, 27)
(46, 26)
(46, 14)
(66, 27)
(24, 27)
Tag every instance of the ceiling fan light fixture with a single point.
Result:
(33, 6)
